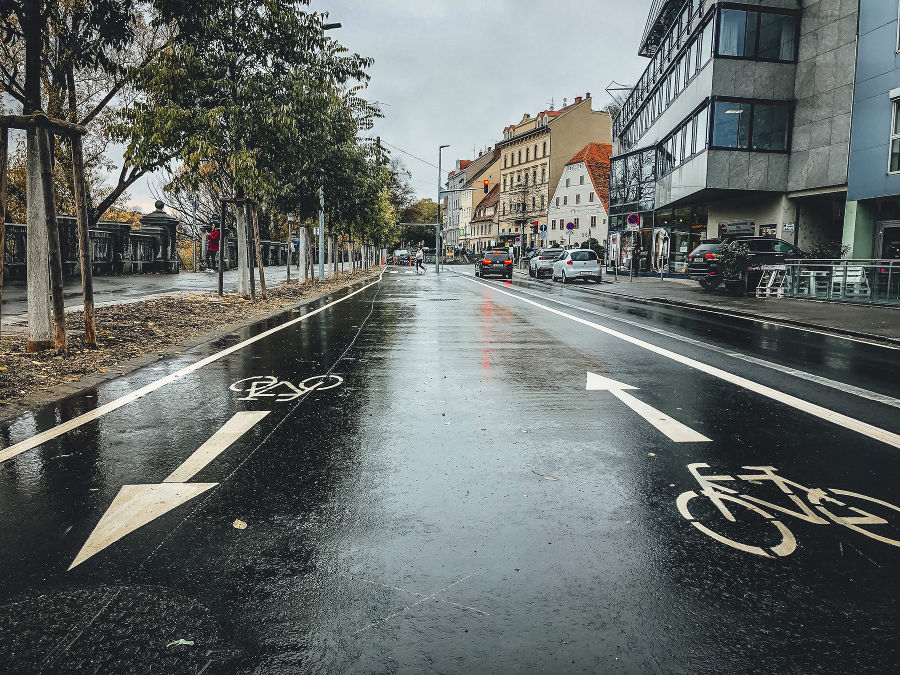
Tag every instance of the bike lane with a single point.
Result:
(792, 569)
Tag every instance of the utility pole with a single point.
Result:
(437, 225)
(290, 251)
(321, 234)
(194, 231)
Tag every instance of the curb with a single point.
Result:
(739, 314)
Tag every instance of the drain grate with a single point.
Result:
(442, 299)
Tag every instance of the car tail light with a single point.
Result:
(710, 255)
(507, 262)
(543, 258)
(712, 272)
(568, 262)
(485, 262)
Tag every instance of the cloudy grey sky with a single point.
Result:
(459, 72)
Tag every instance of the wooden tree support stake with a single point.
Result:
(223, 246)
(84, 242)
(259, 260)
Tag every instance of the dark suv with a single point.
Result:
(494, 262)
(703, 264)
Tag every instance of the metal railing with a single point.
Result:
(860, 281)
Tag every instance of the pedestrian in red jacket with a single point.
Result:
(212, 248)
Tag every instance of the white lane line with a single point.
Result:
(814, 409)
(672, 428)
(232, 430)
(75, 422)
(787, 370)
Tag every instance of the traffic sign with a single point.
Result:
(570, 226)
(518, 240)
(543, 228)
(634, 219)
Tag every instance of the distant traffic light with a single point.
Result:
(485, 187)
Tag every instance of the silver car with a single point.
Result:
(542, 262)
(577, 263)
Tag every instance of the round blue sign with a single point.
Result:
(634, 219)
(543, 228)
(570, 226)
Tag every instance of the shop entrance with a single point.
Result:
(887, 239)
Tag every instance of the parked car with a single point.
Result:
(494, 262)
(542, 262)
(578, 263)
(703, 263)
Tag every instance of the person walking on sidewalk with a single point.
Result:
(420, 259)
(212, 247)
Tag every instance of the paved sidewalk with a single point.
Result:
(867, 321)
(115, 290)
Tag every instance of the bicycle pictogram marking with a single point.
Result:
(813, 505)
(283, 391)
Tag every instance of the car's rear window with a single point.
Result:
(494, 255)
(584, 255)
(551, 253)
(705, 248)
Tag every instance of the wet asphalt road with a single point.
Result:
(460, 502)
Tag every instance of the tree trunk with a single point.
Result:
(243, 261)
(4, 153)
(56, 276)
(259, 260)
(84, 242)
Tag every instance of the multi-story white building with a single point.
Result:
(581, 198)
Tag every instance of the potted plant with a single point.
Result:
(734, 258)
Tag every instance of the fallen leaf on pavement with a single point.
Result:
(239, 525)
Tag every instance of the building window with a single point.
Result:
(762, 35)
(504, 183)
(575, 222)
(542, 202)
(553, 226)
(577, 197)
(731, 125)
(754, 126)
(557, 201)
(535, 150)
(543, 174)
(533, 203)
(895, 138)
(593, 222)
(581, 180)
(565, 200)
(567, 182)
(504, 161)
(544, 154)
(520, 157)
(590, 196)
(534, 176)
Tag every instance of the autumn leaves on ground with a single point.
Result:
(129, 331)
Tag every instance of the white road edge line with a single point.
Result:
(787, 370)
(106, 408)
(814, 409)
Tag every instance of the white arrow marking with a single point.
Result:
(672, 428)
(233, 429)
(137, 505)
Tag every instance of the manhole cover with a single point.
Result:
(110, 629)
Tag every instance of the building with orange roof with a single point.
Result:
(483, 226)
(581, 197)
(533, 154)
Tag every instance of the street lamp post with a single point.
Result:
(437, 225)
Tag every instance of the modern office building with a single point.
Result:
(872, 219)
(739, 124)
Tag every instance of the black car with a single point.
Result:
(703, 262)
(494, 262)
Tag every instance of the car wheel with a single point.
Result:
(709, 284)
(476, 273)
(509, 276)
(564, 278)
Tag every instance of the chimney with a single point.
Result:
(479, 154)
(577, 100)
(587, 95)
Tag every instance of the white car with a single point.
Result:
(577, 263)
(542, 263)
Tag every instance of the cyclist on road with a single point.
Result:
(420, 259)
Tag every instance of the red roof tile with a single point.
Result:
(596, 159)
